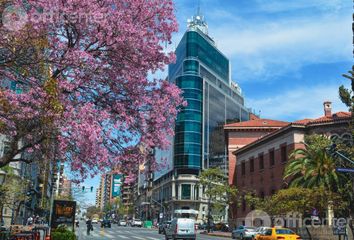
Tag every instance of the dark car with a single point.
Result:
(106, 223)
(163, 226)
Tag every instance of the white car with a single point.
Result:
(181, 228)
(122, 223)
(137, 223)
(95, 220)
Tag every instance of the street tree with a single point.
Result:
(312, 166)
(13, 192)
(93, 210)
(346, 95)
(297, 200)
(217, 190)
(81, 73)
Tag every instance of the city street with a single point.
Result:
(125, 233)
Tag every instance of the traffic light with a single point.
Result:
(83, 188)
(91, 189)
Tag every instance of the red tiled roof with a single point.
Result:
(258, 123)
(333, 117)
(304, 123)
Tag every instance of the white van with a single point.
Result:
(181, 228)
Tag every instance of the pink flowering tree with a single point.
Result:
(80, 69)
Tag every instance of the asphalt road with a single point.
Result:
(127, 233)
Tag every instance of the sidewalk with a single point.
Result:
(218, 234)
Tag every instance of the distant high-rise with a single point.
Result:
(204, 75)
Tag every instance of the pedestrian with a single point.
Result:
(89, 226)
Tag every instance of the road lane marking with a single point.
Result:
(124, 237)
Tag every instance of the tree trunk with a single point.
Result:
(1, 216)
(209, 212)
(17, 211)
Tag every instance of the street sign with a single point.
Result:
(63, 213)
(347, 170)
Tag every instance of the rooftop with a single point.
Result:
(333, 117)
(257, 123)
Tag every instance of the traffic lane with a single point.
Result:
(125, 233)
(119, 233)
(153, 233)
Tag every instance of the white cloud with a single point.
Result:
(299, 103)
(272, 48)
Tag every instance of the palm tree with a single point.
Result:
(313, 167)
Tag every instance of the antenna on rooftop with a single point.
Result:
(198, 8)
(198, 22)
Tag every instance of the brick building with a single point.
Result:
(259, 149)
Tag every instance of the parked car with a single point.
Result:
(278, 233)
(243, 232)
(259, 231)
(105, 223)
(224, 227)
(136, 223)
(163, 226)
(204, 226)
(122, 223)
(181, 228)
(94, 220)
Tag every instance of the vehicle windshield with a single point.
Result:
(284, 231)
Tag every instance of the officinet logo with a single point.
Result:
(257, 218)
(14, 18)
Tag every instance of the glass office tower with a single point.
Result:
(203, 73)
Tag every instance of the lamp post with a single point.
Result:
(161, 205)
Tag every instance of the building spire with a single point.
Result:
(198, 22)
(198, 9)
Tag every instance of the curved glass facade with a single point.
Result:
(203, 74)
(188, 138)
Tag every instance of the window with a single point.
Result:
(261, 161)
(268, 232)
(243, 168)
(283, 153)
(252, 165)
(271, 157)
(186, 191)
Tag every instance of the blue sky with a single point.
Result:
(287, 55)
